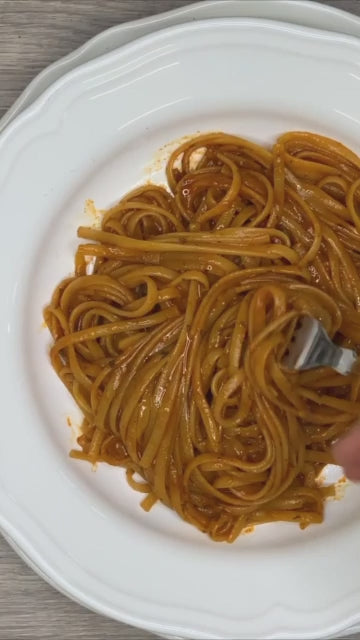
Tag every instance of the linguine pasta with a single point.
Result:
(172, 346)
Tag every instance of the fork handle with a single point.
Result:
(347, 361)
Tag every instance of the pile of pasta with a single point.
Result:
(170, 335)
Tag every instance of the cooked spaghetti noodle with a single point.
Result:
(172, 345)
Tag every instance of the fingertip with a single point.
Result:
(353, 474)
(346, 452)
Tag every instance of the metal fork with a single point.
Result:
(311, 348)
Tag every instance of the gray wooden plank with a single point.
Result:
(33, 34)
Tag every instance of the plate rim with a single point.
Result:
(193, 11)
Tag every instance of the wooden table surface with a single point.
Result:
(34, 33)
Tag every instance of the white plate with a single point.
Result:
(92, 135)
(300, 12)
(305, 13)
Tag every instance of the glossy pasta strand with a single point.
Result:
(171, 334)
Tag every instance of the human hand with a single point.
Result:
(347, 453)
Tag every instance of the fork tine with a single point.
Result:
(302, 343)
(311, 347)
